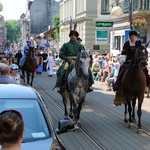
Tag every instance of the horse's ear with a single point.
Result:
(146, 45)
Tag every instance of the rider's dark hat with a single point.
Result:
(28, 41)
(73, 33)
(133, 33)
(79, 39)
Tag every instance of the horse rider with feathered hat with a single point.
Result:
(68, 53)
(26, 51)
(128, 51)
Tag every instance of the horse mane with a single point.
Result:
(31, 53)
(82, 54)
(77, 63)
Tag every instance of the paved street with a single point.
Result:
(102, 125)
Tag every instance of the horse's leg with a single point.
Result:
(139, 113)
(75, 109)
(129, 110)
(80, 107)
(65, 98)
(125, 114)
(71, 112)
(133, 111)
(65, 107)
(32, 77)
(28, 77)
(23, 72)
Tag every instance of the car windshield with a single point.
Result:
(35, 124)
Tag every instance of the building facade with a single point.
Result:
(117, 33)
(41, 15)
(83, 12)
(38, 18)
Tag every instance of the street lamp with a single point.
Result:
(63, 28)
(130, 13)
(116, 11)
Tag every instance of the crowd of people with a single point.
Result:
(105, 68)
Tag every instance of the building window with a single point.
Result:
(27, 36)
(27, 27)
(118, 42)
(105, 7)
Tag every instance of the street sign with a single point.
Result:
(104, 24)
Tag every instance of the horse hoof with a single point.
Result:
(66, 118)
(134, 120)
(79, 123)
(130, 125)
(71, 116)
(139, 131)
(125, 120)
(76, 128)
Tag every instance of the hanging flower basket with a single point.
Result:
(139, 22)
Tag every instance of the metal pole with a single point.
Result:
(130, 13)
(70, 23)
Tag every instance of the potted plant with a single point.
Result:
(139, 22)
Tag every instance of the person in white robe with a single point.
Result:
(50, 64)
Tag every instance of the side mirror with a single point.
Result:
(64, 126)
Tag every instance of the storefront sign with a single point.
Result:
(101, 37)
(104, 24)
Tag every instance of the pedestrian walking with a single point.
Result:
(50, 64)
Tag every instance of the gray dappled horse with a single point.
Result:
(134, 85)
(77, 85)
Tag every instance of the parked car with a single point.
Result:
(40, 133)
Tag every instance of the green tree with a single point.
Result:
(56, 26)
(13, 30)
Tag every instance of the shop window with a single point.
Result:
(118, 42)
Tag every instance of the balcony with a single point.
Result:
(140, 6)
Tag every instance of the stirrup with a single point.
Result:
(89, 89)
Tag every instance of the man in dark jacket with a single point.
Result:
(18, 56)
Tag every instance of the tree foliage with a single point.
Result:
(56, 26)
(13, 30)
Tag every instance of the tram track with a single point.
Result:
(144, 130)
(60, 108)
(99, 104)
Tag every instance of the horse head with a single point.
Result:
(82, 63)
(31, 52)
(141, 56)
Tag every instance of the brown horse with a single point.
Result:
(133, 85)
(29, 66)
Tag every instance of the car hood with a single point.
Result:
(38, 145)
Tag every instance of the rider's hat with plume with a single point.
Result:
(74, 32)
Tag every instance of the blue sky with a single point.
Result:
(12, 9)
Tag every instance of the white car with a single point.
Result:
(39, 130)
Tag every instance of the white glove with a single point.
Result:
(122, 59)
